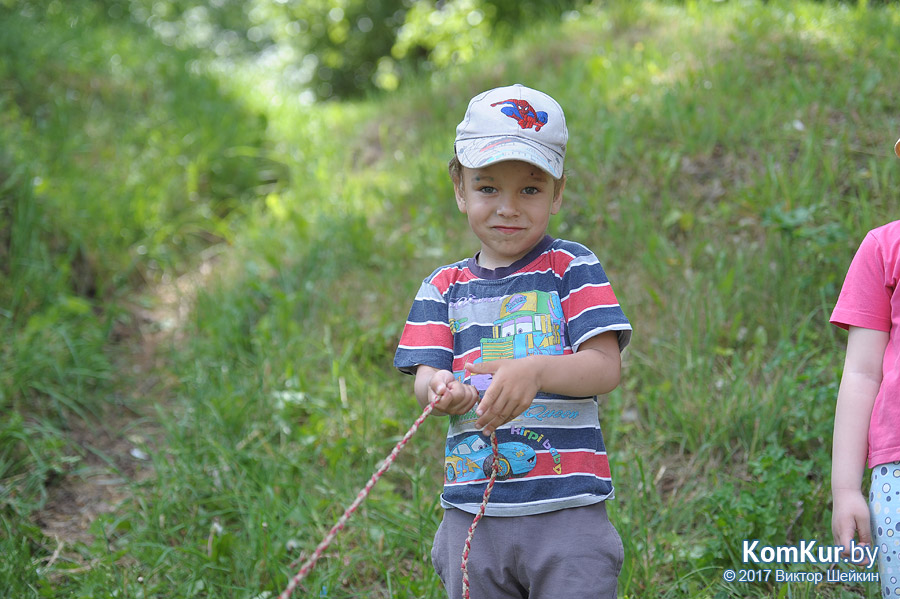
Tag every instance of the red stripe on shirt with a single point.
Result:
(560, 261)
(555, 260)
(575, 462)
(570, 462)
(428, 334)
(449, 277)
(459, 362)
(588, 297)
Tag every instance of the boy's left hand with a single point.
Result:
(514, 385)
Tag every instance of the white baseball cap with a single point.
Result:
(897, 148)
(513, 123)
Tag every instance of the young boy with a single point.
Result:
(519, 339)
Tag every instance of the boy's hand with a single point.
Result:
(514, 385)
(458, 398)
(850, 515)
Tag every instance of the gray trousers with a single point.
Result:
(568, 553)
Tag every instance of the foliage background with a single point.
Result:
(208, 243)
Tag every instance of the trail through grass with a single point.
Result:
(725, 161)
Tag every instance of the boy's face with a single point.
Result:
(509, 206)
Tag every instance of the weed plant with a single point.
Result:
(725, 160)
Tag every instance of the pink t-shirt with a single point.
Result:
(868, 300)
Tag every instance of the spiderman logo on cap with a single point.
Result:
(524, 113)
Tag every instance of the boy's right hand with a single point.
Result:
(458, 398)
(849, 517)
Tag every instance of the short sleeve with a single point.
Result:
(589, 303)
(865, 298)
(426, 338)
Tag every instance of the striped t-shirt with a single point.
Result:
(552, 456)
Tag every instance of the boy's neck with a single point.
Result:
(497, 271)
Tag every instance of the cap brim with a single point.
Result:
(482, 151)
(897, 148)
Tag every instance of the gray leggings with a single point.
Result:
(574, 552)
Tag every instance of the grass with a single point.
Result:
(725, 161)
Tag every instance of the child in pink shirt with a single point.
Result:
(867, 416)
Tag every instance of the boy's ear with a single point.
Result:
(460, 198)
(557, 199)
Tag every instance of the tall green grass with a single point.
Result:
(725, 160)
(118, 163)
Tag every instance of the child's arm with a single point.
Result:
(859, 386)
(431, 382)
(593, 370)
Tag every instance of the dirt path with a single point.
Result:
(116, 450)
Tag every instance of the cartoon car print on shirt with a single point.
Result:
(473, 458)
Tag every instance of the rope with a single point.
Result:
(495, 466)
(307, 567)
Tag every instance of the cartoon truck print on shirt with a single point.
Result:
(529, 323)
(473, 459)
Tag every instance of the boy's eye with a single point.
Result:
(487, 189)
(531, 190)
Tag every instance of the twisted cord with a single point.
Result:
(342, 521)
(487, 495)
